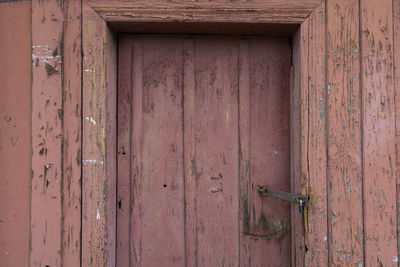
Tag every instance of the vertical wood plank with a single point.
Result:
(316, 236)
(216, 151)
(99, 141)
(124, 151)
(345, 188)
(136, 205)
(396, 51)
(47, 139)
(110, 184)
(162, 184)
(378, 133)
(269, 156)
(244, 153)
(295, 140)
(71, 114)
(189, 109)
(300, 136)
(15, 132)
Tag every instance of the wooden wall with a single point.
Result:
(348, 51)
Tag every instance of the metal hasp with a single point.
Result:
(295, 198)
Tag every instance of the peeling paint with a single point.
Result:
(91, 120)
(92, 161)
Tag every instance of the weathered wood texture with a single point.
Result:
(378, 120)
(315, 169)
(396, 62)
(267, 11)
(344, 135)
(308, 147)
(184, 100)
(47, 134)
(124, 151)
(99, 141)
(15, 132)
(297, 135)
(72, 127)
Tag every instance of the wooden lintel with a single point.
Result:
(272, 11)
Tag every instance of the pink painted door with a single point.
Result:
(203, 120)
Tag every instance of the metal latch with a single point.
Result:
(302, 200)
(295, 198)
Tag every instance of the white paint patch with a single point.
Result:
(88, 70)
(42, 53)
(379, 252)
(86, 161)
(91, 120)
(98, 215)
(325, 238)
(395, 259)
(276, 152)
(45, 59)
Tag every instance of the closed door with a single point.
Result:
(203, 120)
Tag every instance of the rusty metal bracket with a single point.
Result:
(291, 197)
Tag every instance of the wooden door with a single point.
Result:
(203, 120)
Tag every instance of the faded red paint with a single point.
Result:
(15, 132)
(335, 65)
(72, 126)
(344, 135)
(47, 134)
(396, 60)
(98, 140)
(165, 118)
(314, 162)
(379, 133)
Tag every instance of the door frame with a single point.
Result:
(101, 23)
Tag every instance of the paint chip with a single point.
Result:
(98, 215)
(91, 120)
(395, 259)
(92, 161)
(51, 69)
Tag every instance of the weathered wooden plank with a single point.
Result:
(124, 151)
(269, 120)
(136, 154)
(162, 183)
(396, 59)
(245, 191)
(47, 138)
(189, 153)
(72, 126)
(98, 151)
(110, 184)
(315, 187)
(345, 187)
(15, 132)
(216, 151)
(299, 136)
(270, 11)
(378, 133)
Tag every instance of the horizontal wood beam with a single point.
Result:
(270, 11)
